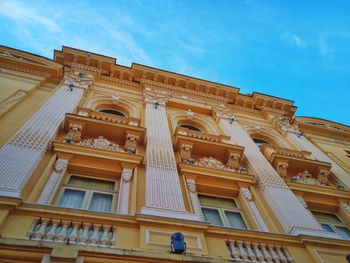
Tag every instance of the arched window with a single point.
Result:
(113, 111)
(260, 142)
(190, 127)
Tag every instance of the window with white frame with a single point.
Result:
(88, 193)
(222, 212)
(332, 223)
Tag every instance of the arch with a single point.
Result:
(203, 123)
(119, 104)
(268, 135)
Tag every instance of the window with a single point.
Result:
(114, 112)
(260, 142)
(190, 127)
(332, 223)
(222, 212)
(88, 193)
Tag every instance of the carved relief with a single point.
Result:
(131, 143)
(246, 194)
(185, 152)
(306, 178)
(14, 97)
(233, 161)
(189, 115)
(191, 186)
(100, 143)
(60, 165)
(158, 99)
(127, 175)
(74, 133)
(323, 177)
(282, 169)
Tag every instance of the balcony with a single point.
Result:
(210, 160)
(206, 150)
(298, 167)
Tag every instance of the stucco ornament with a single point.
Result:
(282, 169)
(74, 133)
(212, 163)
(191, 186)
(116, 99)
(131, 143)
(185, 152)
(189, 114)
(233, 161)
(284, 125)
(306, 178)
(101, 143)
(127, 175)
(323, 177)
(60, 165)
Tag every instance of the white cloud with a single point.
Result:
(19, 12)
(298, 42)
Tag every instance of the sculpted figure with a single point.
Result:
(74, 133)
(185, 152)
(282, 169)
(233, 161)
(323, 177)
(131, 143)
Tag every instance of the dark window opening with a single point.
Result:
(114, 112)
(190, 127)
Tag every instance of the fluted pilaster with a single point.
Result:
(294, 218)
(21, 155)
(124, 191)
(54, 181)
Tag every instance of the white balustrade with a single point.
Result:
(56, 230)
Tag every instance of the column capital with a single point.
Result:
(156, 98)
(223, 113)
(60, 165)
(191, 185)
(283, 125)
(127, 174)
(78, 80)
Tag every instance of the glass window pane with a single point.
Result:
(326, 217)
(327, 228)
(72, 198)
(101, 202)
(235, 220)
(91, 183)
(216, 201)
(344, 232)
(212, 216)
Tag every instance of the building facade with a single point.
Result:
(104, 163)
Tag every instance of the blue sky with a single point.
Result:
(299, 50)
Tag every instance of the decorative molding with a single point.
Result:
(54, 182)
(13, 98)
(124, 191)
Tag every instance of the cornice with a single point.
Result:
(24, 70)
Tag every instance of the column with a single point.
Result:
(124, 191)
(54, 182)
(196, 205)
(248, 198)
(163, 190)
(293, 134)
(21, 155)
(294, 218)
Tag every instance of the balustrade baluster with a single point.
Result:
(234, 251)
(280, 254)
(251, 254)
(32, 228)
(266, 253)
(40, 233)
(105, 237)
(50, 236)
(73, 237)
(63, 233)
(94, 240)
(85, 236)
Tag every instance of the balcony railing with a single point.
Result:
(201, 135)
(268, 150)
(72, 232)
(246, 251)
(108, 117)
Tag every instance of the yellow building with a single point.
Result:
(104, 163)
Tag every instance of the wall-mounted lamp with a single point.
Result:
(299, 134)
(156, 105)
(231, 120)
(178, 244)
(71, 87)
(81, 74)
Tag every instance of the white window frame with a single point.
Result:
(89, 192)
(221, 211)
(332, 225)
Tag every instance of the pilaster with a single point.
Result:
(24, 151)
(54, 181)
(294, 218)
(248, 199)
(124, 191)
(196, 205)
